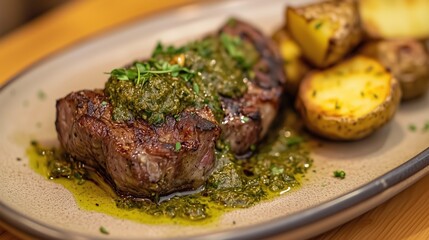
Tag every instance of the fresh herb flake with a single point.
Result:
(196, 88)
(337, 105)
(41, 95)
(232, 22)
(318, 25)
(293, 141)
(277, 170)
(253, 147)
(426, 127)
(244, 119)
(160, 49)
(178, 146)
(233, 48)
(141, 72)
(103, 230)
(340, 174)
(177, 117)
(103, 103)
(412, 127)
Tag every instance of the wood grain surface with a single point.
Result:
(406, 216)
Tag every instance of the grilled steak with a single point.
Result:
(147, 160)
(134, 157)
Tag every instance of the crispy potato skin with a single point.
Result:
(294, 65)
(407, 59)
(339, 123)
(326, 31)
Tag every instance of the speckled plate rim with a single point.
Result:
(391, 183)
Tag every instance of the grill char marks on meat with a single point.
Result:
(136, 158)
(248, 118)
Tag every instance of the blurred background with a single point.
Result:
(14, 13)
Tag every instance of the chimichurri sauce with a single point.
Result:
(276, 167)
(194, 75)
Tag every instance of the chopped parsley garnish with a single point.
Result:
(276, 170)
(340, 174)
(141, 72)
(41, 95)
(253, 147)
(170, 50)
(196, 88)
(293, 141)
(412, 127)
(232, 22)
(178, 146)
(337, 105)
(426, 127)
(318, 25)
(234, 47)
(103, 230)
(244, 119)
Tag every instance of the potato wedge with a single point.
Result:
(294, 65)
(325, 31)
(395, 18)
(348, 101)
(408, 61)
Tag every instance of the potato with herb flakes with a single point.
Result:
(408, 61)
(326, 31)
(395, 18)
(348, 101)
(294, 65)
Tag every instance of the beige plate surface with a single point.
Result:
(42, 208)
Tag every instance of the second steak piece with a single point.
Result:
(248, 118)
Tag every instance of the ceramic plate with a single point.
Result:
(377, 167)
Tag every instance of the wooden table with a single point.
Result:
(406, 216)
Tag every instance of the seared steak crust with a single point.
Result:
(136, 158)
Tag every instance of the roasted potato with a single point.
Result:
(408, 61)
(294, 65)
(348, 101)
(395, 18)
(325, 31)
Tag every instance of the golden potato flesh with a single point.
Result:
(325, 31)
(408, 60)
(350, 100)
(395, 18)
(294, 65)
